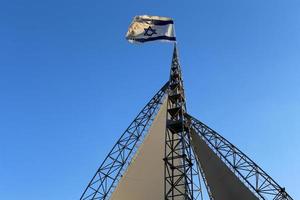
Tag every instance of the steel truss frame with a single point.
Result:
(179, 173)
(257, 180)
(181, 167)
(113, 166)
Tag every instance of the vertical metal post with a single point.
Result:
(178, 151)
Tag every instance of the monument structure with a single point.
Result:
(165, 153)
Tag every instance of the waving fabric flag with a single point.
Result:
(150, 28)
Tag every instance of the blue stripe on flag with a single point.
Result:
(158, 22)
(153, 38)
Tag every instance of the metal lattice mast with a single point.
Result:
(257, 180)
(110, 171)
(178, 151)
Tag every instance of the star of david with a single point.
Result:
(149, 31)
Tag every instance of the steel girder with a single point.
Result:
(113, 166)
(256, 179)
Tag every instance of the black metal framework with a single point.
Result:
(110, 171)
(178, 152)
(257, 180)
(182, 170)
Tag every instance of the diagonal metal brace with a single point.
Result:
(112, 168)
(256, 179)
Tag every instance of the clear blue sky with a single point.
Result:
(70, 84)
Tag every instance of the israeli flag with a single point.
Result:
(150, 28)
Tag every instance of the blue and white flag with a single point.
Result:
(150, 28)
